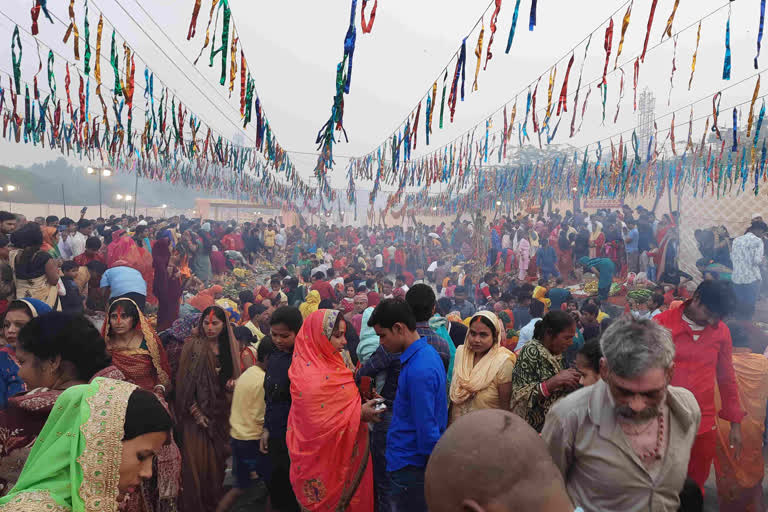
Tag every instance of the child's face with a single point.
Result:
(71, 273)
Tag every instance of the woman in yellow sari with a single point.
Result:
(482, 370)
(740, 480)
(311, 304)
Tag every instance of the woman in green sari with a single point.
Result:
(96, 447)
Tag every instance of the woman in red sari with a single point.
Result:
(138, 353)
(124, 251)
(327, 434)
(167, 284)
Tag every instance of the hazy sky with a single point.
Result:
(293, 47)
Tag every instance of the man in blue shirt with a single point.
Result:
(546, 260)
(631, 241)
(125, 282)
(420, 411)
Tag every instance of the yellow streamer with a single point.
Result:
(552, 76)
(752, 107)
(97, 67)
(233, 58)
(624, 25)
(478, 54)
(208, 30)
(127, 63)
(73, 28)
(695, 53)
(668, 30)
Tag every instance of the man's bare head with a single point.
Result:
(493, 461)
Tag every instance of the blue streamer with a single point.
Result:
(485, 156)
(759, 123)
(735, 147)
(514, 25)
(349, 45)
(532, 22)
(760, 31)
(727, 63)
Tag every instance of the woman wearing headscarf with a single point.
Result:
(327, 434)
(167, 284)
(137, 352)
(110, 427)
(56, 352)
(123, 251)
(51, 242)
(310, 305)
(35, 272)
(207, 371)
(482, 370)
(18, 314)
(173, 339)
(538, 379)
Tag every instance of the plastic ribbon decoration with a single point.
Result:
(735, 147)
(648, 29)
(442, 102)
(214, 3)
(760, 30)
(87, 27)
(494, 19)
(670, 20)
(233, 62)
(224, 43)
(367, 27)
(514, 25)
(460, 67)
(114, 62)
(674, 68)
(479, 55)
(578, 88)
(752, 107)
(621, 96)
(243, 69)
(695, 53)
(97, 61)
(562, 103)
(552, 77)
(608, 43)
(635, 80)
(532, 21)
(51, 76)
(533, 107)
(624, 25)
(349, 46)
(35, 11)
(16, 58)
(193, 21)
(716, 113)
(430, 110)
(73, 28)
(524, 131)
(759, 124)
(727, 61)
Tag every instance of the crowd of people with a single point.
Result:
(194, 365)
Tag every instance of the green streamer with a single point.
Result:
(87, 60)
(16, 41)
(113, 60)
(249, 99)
(51, 76)
(224, 48)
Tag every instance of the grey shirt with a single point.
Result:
(601, 471)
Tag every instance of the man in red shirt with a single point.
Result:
(324, 288)
(702, 356)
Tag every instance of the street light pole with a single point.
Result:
(100, 201)
(136, 192)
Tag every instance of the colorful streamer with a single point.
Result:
(695, 53)
(193, 21)
(607, 46)
(479, 55)
(532, 21)
(674, 68)
(670, 20)
(624, 25)
(578, 87)
(727, 61)
(562, 103)
(494, 19)
(87, 29)
(97, 60)
(752, 107)
(760, 30)
(514, 25)
(367, 27)
(648, 29)
(442, 102)
(460, 68)
(73, 29)
(16, 54)
(716, 113)
(224, 42)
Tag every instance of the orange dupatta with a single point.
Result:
(327, 442)
(734, 475)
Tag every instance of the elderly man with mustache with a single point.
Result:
(624, 443)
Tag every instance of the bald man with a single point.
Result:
(471, 468)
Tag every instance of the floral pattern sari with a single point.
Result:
(75, 462)
(327, 442)
(535, 364)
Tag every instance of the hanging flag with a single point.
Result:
(562, 104)
(16, 58)
(624, 25)
(670, 20)
(695, 53)
(479, 55)
(648, 29)
(760, 30)
(532, 21)
(87, 27)
(460, 68)
(727, 61)
(494, 19)
(752, 107)
(367, 27)
(224, 43)
(514, 25)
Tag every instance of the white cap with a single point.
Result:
(142, 223)
(756, 215)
